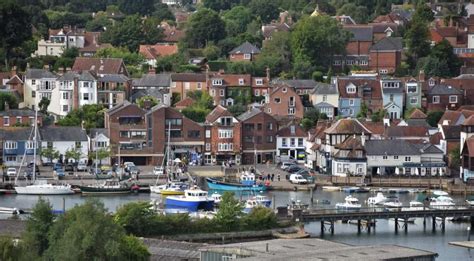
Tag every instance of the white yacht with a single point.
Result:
(442, 202)
(351, 203)
(378, 199)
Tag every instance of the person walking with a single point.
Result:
(278, 177)
(273, 176)
(268, 176)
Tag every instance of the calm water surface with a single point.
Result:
(384, 233)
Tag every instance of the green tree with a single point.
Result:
(9, 250)
(163, 12)
(237, 19)
(455, 157)
(7, 98)
(204, 26)
(230, 209)
(49, 153)
(307, 124)
(99, 23)
(102, 154)
(137, 218)
(43, 105)
(260, 218)
(211, 52)
(378, 116)
(266, 10)
(315, 40)
(358, 12)
(417, 38)
(433, 66)
(92, 115)
(142, 7)
(73, 153)
(433, 117)
(196, 113)
(276, 54)
(317, 76)
(37, 227)
(364, 110)
(152, 101)
(87, 231)
(443, 51)
(218, 5)
(128, 57)
(15, 29)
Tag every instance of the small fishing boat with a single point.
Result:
(192, 200)
(11, 211)
(217, 198)
(470, 201)
(214, 184)
(378, 199)
(297, 205)
(263, 200)
(349, 189)
(331, 188)
(174, 189)
(398, 191)
(250, 204)
(108, 187)
(351, 203)
(438, 193)
(392, 203)
(362, 190)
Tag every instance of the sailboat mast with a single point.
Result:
(35, 143)
(96, 155)
(168, 144)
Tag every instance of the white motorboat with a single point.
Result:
(43, 188)
(470, 202)
(414, 206)
(393, 204)
(442, 202)
(378, 199)
(439, 193)
(192, 200)
(216, 197)
(10, 211)
(263, 200)
(331, 188)
(251, 204)
(351, 203)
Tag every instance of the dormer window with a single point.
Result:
(217, 82)
(241, 81)
(284, 90)
(351, 89)
(258, 81)
(431, 82)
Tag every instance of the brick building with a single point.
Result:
(182, 83)
(229, 89)
(244, 52)
(441, 97)
(259, 131)
(284, 102)
(357, 50)
(19, 117)
(386, 55)
(223, 139)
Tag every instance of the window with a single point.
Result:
(124, 134)
(175, 134)
(226, 134)
(31, 120)
(351, 89)
(6, 121)
(257, 92)
(339, 167)
(284, 90)
(33, 94)
(65, 96)
(101, 144)
(85, 96)
(259, 126)
(292, 142)
(277, 100)
(221, 93)
(337, 62)
(435, 99)
(269, 110)
(412, 89)
(226, 121)
(65, 108)
(395, 157)
(194, 134)
(453, 99)
(241, 81)
(78, 144)
(187, 85)
(49, 144)
(269, 126)
(213, 92)
(283, 142)
(407, 159)
(249, 127)
(33, 82)
(86, 85)
(30, 145)
(11, 158)
(351, 102)
(258, 81)
(247, 56)
(360, 168)
(208, 146)
(413, 100)
(346, 168)
(248, 139)
(18, 120)
(292, 101)
(11, 145)
(325, 98)
(349, 62)
(269, 139)
(364, 62)
(217, 82)
(208, 134)
(383, 71)
(391, 97)
(385, 157)
(199, 86)
(431, 82)
(291, 111)
(174, 122)
(300, 142)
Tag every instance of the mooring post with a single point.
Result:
(358, 226)
(311, 192)
(424, 222)
(396, 225)
(443, 221)
(405, 223)
(273, 201)
(368, 226)
(322, 228)
(332, 227)
(433, 224)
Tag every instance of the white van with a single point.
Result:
(298, 179)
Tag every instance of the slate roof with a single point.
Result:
(427, 148)
(86, 76)
(360, 33)
(153, 80)
(390, 147)
(443, 89)
(245, 48)
(114, 78)
(39, 74)
(61, 133)
(16, 133)
(218, 112)
(417, 122)
(248, 114)
(382, 27)
(188, 77)
(68, 76)
(286, 131)
(347, 126)
(98, 131)
(299, 83)
(325, 88)
(388, 44)
(19, 112)
(407, 131)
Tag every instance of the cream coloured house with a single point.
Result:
(39, 83)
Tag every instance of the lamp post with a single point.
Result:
(469, 233)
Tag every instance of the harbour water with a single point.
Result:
(417, 236)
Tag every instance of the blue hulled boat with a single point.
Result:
(214, 184)
(192, 200)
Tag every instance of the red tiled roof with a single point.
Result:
(347, 126)
(450, 116)
(218, 112)
(172, 34)
(436, 138)
(153, 51)
(435, 36)
(233, 79)
(374, 127)
(417, 114)
(469, 121)
(184, 103)
(99, 65)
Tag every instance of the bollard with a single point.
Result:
(312, 196)
(468, 233)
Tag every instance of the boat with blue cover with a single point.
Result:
(214, 184)
(192, 200)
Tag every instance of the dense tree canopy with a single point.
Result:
(204, 26)
(266, 10)
(142, 7)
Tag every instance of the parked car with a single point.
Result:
(286, 165)
(11, 172)
(57, 166)
(69, 167)
(59, 172)
(285, 159)
(158, 171)
(294, 169)
(133, 170)
(105, 168)
(298, 179)
(81, 166)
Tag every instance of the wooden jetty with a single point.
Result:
(370, 215)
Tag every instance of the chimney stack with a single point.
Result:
(267, 70)
(151, 71)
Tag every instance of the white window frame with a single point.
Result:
(208, 134)
(65, 106)
(436, 99)
(351, 89)
(10, 145)
(6, 121)
(257, 92)
(187, 85)
(65, 96)
(413, 100)
(213, 92)
(221, 92)
(291, 111)
(217, 82)
(247, 56)
(241, 81)
(351, 102)
(407, 159)
(199, 86)
(208, 146)
(259, 82)
(337, 62)
(451, 100)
